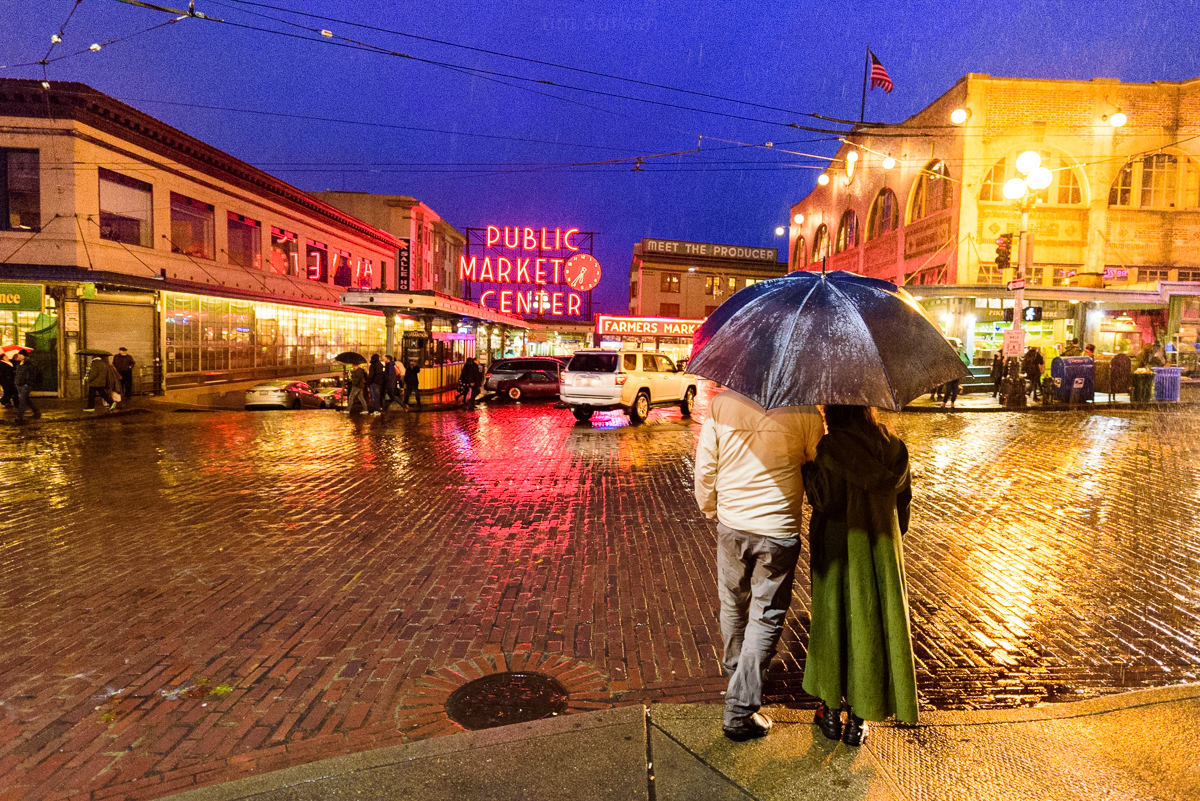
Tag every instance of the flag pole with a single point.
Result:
(862, 112)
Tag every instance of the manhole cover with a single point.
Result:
(503, 698)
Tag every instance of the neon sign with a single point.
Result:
(531, 259)
(646, 326)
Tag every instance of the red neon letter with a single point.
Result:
(530, 239)
(485, 274)
(503, 270)
(466, 269)
(516, 237)
(567, 238)
(557, 266)
(506, 301)
(525, 302)
(544, 245)
(523, 272)
(493, 235)
(483, 298)
(556, 303)
(574, 304)
(539, 272)
(558, 239)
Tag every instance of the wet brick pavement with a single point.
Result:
(188, 598)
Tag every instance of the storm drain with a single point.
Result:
(502, 698)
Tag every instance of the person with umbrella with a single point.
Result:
(847, 343)
(358, 389)
(375, 380)
(101, 379)
(8, 381)
(28, 376)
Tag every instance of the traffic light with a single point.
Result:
(1004, 251)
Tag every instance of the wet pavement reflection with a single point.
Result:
(185, 595)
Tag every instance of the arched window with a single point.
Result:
(931, 192)
(884, 215)
(820, 244)
(847, 233)
(1158, 181)
(1066, 186)
(799, 254)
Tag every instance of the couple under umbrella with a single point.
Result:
(783, 347)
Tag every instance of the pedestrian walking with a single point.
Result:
(27, 377)
(997, 373)
(1089, 350)
(358, 390)
(123, 363)
(101, 380)
(949, 390)
(391, 382)
(1032, 365)
(375, 383)
(748, 478)
(8, 382)
(471, 378)
(412, 382)
(860, 642)
(1072, 348)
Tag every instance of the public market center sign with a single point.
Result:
(519, 267)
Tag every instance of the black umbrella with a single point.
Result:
(350, 357)
(92, 352)
(816, 338)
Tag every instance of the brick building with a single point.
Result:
(1116, 234)
(668, 278)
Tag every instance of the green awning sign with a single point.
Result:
(21, 297)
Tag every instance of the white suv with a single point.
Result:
(631, 380)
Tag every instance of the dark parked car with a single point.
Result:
(512, 369)
(531, 384)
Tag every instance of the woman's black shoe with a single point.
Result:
(856, 730)
(830, 723)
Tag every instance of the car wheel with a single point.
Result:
(685, 405)
(582, 413)
(296, 404)
(514, 393)
(323, 405)
(641, 408)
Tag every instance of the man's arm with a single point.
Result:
(706, 469)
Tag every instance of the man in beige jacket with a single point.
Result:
(748, 478)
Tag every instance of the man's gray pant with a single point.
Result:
(754, 582)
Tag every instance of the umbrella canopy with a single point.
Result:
(815, 338)
(350, 357)
(92, 352)
(9, 350)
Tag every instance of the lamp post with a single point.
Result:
(1023, 192)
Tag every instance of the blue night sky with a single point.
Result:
(797, 56)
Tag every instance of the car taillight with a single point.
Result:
(620, 378)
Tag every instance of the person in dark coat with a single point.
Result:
(8, 382)
(391, 382)
(997, 373)
(471, 377)
(101, 378)
(27, 377)
(1032, 365)
(123, 364)
(860, 640)
(412, 383)
(358, 390)
(375, 382)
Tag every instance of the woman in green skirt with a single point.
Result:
(860, 645)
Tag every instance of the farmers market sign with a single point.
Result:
(21, 297)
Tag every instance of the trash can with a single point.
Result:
(1166, 383)
(1074, 378)
(1143, 385)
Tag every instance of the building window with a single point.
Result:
(669, 282)
(20, 203)
(1122, 188)
(799, 254)
(192, 227)
(1069, 190)
(884, 215)
(847, 233)
(317, 259)
(343, 272)
(1066, 184)
(751, 281)
(633, 290)
(668, 310)
(1154, 275)
(364, 273)
(285, 252)
(821, 244)
(708, 310)
(245, 241)
(732, 285)
(712, 286)
(993, 182)
(1158, 180)
(1189, 275)
(1161, 180)
(931, 193)
(126, 210)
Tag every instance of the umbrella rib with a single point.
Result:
(796, 318)
(882, 364)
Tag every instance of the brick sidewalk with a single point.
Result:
(186, 599)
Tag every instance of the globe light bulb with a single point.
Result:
(1029, 160)
(1015, 188)
(852, 156)
(1118, 119)
(823, 179)
(959, 116)
(1039, 178)
(779, 229)
(888, 162)
(798, 219)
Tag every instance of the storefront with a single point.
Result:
(672, 336)
(29, 318)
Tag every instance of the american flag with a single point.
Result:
(879, 76)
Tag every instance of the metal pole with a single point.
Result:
(862, 111)
(1022, 257)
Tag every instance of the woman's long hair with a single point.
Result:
(840, 416)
